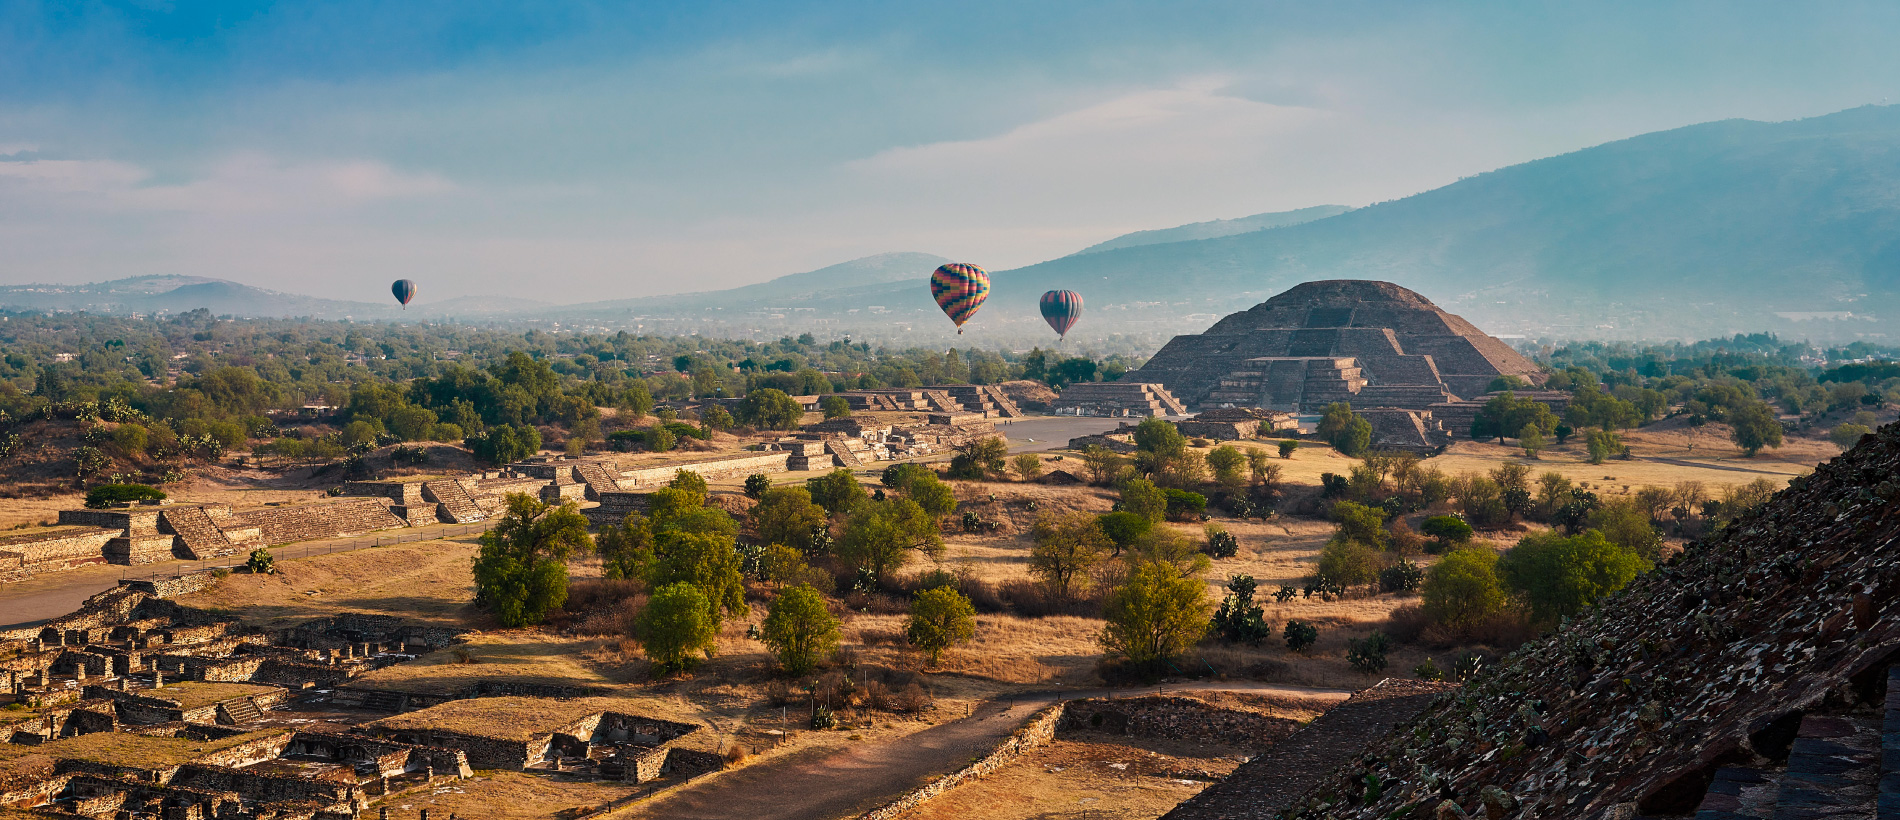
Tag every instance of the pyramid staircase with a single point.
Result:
(241, 711)
(597, 478)
(843, 453)
(453, 504)
(198, 537)
(984, 398)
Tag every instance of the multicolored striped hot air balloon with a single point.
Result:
(405, 290)
(1061, 309)
(960, 289)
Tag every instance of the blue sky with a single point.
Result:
(577, 151)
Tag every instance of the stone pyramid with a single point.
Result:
(1374, 344)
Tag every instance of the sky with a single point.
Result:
(576, 151)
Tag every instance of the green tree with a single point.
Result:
(1626, 525)
(800, 629)
(837, 491)
(1450, 530)
(770, 409)
(1358, 522)
(1506, 414)
(715, 418)
(980, 459)
(1348, 432)
(1103, 465)
(1462, 591)
(1067, 547)
(626, 548)
(1229, 465)
(880, 535)
(1846, 435)
(635, 400)
(1287, 448)
(1560, 576)
(1345, 563)
(940, 618)
(1155, 615)
(756, 484)
(677, 622)
(835, 407)
(1123, 528)
(931, 493)
(1531, 439)
(1028, 466)
(1602, 444)
(1141, 497)
(787, 515)
(521, 571)
(709, 561)
(1755, 426)
(691, 482)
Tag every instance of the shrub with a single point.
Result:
(979, 459)
(770, 409)
(1345, 563)
(1368, 654)
(1141, 497)
(1287, 447)
(1066, 549)
(1123, 528)
(261, 562)
(1403, 576)
(1602, 444)
(1448, 530)
(835, 407)
(1238, 620)
(1560, 576)
(837, 491)
(1028, 466)
(715, 418)
(1848, 434)
(786, 515)
(1220, 543)
(940, 618)
(800, 629)
(1300, 635)
(1428, 670)
(106, 495)
(1183, 505)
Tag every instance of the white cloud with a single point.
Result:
(248, 183)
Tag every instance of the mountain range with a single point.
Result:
(1717, 228)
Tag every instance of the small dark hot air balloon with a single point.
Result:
(405, 290)
(1061, 309)
(959, 289)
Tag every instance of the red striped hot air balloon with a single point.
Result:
(959, 289)
(1061, 309)
(404, 290)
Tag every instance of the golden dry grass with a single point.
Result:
(427, 581)
(517, 656)
(193, 694)
(498, 795)
(506, 718)
(127, 749)
(1103, 777)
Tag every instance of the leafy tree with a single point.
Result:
(1603, 444)
(770, 409)
(1755, 427)
(1228, 463)
(708, 561)
(1067, 547)
(1348, 432)
(1531, 439)
(1287, 447)
(1628, 526)
(502, 444)
(1123, 528)
(106, 495)
(715, 418)
(756, 484)
(635, 400)
(1103, 464)
(800, 629)
(879, 535)
(940, 618)
(1462, 590)
(661, 439)
(521, 572)
(1155, 615)
(835, 407)
(677, 622)
(1450, 530)
(1563, 433)
(980, 459)
(626, 548)
(1848, 434)
(1560, 575)
(899, 476)
(932, 494)
(691, 482)
(837, 491)
(1505, 414)
(1345, 563)
(787, 515)
(1358, 522)
(1028, 466)
(1141, 497)
(1184, 505)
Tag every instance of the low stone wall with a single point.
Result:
(172, 587)
(710, 469)
(1035, 732)
(56, 550)
(1176, 718)
(350, 517)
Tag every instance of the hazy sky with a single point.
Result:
(568, 152)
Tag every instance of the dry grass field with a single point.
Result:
(1087, 779)
(426, 581)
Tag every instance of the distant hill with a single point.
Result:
(177, 294)
(1217, 228)
(1705, 230)
(796, 288)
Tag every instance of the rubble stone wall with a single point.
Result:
(1176, 718)
(711, 469)
(1036, 732)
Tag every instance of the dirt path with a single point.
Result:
(830, 783)
(1707, 466)
(45, 597)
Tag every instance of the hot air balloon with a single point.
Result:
(1061, 309)
(959, 289)
(405, 290)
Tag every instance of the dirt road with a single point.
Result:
(831, 783)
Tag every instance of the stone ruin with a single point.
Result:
(982, 400)
(1237, 424)
(1373, 344)
(1754, 675)
(1128, 397)
(137, 706)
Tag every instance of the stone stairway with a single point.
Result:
(598, 480)
(242, 711)
(984, 398)
(198, 537)
(386, 701)
(453, 504)
(942, 402)
(845, 457)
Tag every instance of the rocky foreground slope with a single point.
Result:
(1747, 678)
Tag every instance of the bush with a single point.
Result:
(1300, 635)
(1462, 589)
(1183, 505)
(835, 407)
(1141, 497)
(1155, 615)
(837, 491)
(1345, 563)
(261, 562)
(1287, 447)
(1403, 576)
(1028, 466)
(1220, 543)
(1560, 576)
(1428, 670)
(1447, 530)
(940, 618)
(1238, 620)
(1123, 528)
(770, 409)
(715, 418)
(1368, 654)
(1847, 435)
(106, 495)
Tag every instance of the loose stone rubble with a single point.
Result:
(1747, 677)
